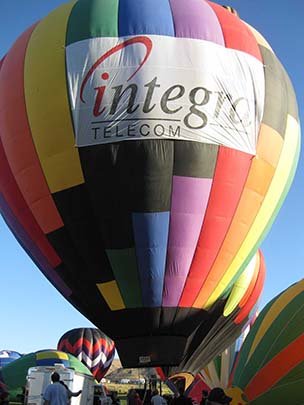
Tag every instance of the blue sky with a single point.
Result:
(33, 314)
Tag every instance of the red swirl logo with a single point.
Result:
(146, 42)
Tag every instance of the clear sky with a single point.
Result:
(33, 315)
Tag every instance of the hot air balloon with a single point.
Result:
(270, 367)
(146, 148)
(92, 347)
(7, 356)
(14, 374)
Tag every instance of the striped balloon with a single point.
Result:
(92, 347)
(270, 368)
(145, 150)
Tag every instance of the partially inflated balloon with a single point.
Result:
(270, 368)
(146, 147)
(92, 347)
(14, 374)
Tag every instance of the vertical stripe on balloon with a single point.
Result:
(22, 220)
(92, 19)
(145, 17)
(151, 238)
(188, 205)
(196, 19)
(236, 34)
(17, 140)
(47, 102)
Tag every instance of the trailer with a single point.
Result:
(38, 378)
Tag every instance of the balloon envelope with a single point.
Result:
(146, 147)
(92, 347)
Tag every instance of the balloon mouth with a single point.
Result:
(151, 351)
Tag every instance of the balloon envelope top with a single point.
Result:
(146, 148)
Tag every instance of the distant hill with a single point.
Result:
(114, 366)
(116, 373)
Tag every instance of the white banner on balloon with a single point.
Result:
(159, 87)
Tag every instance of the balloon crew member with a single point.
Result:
(55, 393)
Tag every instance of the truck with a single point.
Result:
(38, 378)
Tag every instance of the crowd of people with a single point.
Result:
(216, 396)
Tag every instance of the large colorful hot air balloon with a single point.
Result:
(14, 374)
(146, 147)
(92, 347)
(270, 367)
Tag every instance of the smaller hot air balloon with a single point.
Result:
(270, 366)
(14, 374)
(7, 356)
(92, 347)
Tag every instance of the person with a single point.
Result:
(217, 396)
(55, 393)
(157, 399)
(181, 399)
(115, 399)
(137, 399)
(131, 396)
(204, 397)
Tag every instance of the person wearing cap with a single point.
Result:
(217, 396)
